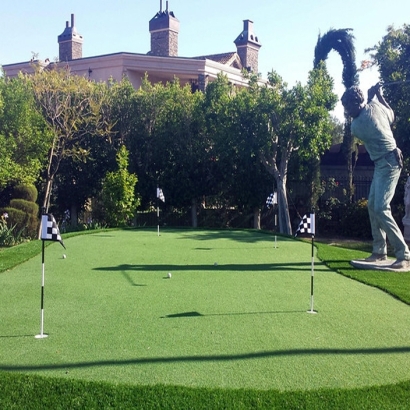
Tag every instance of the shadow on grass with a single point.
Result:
(213, 358)
(14, 336)
(299, 266)
(247, 236)
(197, 314)
(129, 279)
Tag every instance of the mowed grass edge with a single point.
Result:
(31, 392)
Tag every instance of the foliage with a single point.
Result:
(23, 213)
(354, 221)
(80, 178)
(392, 56)
(24, 138)
(296, 119)
(27, 207)
(73, 107)
(244, 181)
(342, 217)
(6, 232)
(341, 41)
(223, 144)
(118, 193)
(27, 192)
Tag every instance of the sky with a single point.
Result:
(288, 30)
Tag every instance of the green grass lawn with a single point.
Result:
(232, 318)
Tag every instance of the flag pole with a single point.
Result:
(312, 266)
(42, 335)
(49, 232)
(157, 210)
(158, 217)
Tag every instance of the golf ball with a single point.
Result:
(216, 264)
(64, 256)
(169, 275)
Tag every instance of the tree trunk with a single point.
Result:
(194, 214)
(256, 218)
(283, 209)
(348, 141)
(73, 216)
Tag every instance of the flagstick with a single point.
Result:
(311, 277)
(158, 218)
(42, 335)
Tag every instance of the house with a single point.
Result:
(161, 63)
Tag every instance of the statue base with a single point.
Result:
(380, 265)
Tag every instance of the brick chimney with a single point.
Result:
(247, 47)
(70, 43)
(164, 29)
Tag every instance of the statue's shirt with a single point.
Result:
(372, 127)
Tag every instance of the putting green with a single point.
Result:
(233, 315)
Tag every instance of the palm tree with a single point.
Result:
(341, 41)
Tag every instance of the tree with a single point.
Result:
(341, 41)
(147, 106)
(184, 148)
(72, 107)
(80, 177)
(118, 192)
(295, 119)
(245, 181)
(24, 138)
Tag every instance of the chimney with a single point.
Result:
(247, 47)
(70, 43)
(164, 29)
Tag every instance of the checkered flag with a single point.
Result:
(271, 200)
(307, 225)
(49, 229)
(160, 194)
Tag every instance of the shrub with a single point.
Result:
(25, 206)
(355, 220)
(118, 192)
(6, 233)
(26, 192)
(10, 234)
(23, 212)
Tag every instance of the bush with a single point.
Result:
(345, 219)
(17, 217)
(23, 212)
(25, 206)
(355, 220)
(10, 234)
(26, 192)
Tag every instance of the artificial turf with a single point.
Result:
(232, 316)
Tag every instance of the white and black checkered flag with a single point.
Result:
(160, 194)
(271, 200)
(49, 229)
(307, 225)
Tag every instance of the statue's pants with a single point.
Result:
(386, 175)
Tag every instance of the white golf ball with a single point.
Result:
(169, 275)
(216, 264)
(64, 256)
